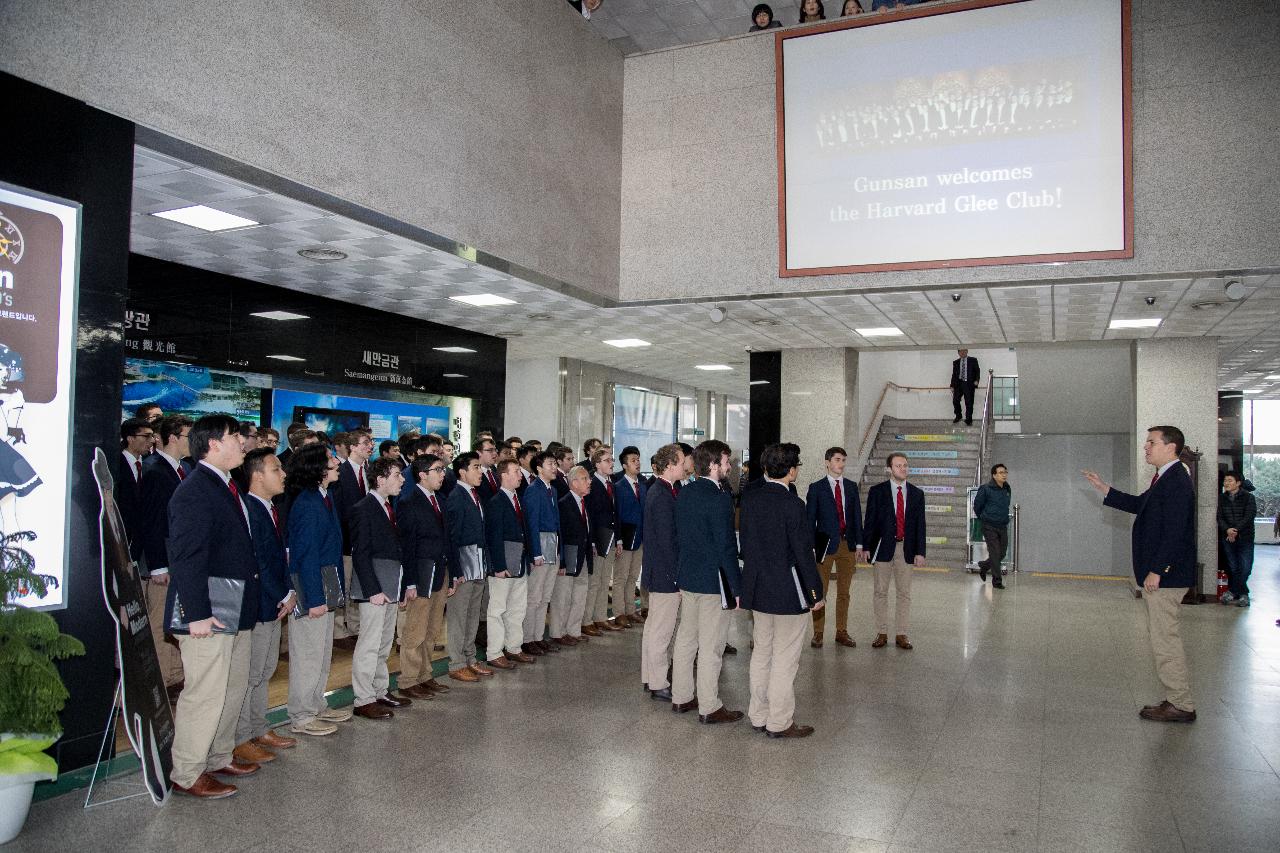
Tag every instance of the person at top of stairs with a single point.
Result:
(965, 375)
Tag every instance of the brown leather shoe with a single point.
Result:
(1156, 705)
(500, 662)
(250, 753)
(390, 701)
(547, 647)
(207, 788)
(523, 657)
(622, 620)
(482, 670)
(682, 707)
(792, 731)
(880, 641)
(583, 638)
(417, 691)
(374, 711)
(607, 626)
(435, 686)
(902, 642)
(816, 642)
(275, 741)
(720, 715)
(531, 649)
(638, 617)
(464, 674)
(236, 768)
(592, 631)
(565, 641)
(1170, 713)
(843, 639)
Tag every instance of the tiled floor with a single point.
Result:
(1012, 726)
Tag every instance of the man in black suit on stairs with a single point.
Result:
(965, 375)
(895, 539)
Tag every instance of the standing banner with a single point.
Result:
(145, 704)
(39, 252)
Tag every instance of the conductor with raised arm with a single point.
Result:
(1164, 558)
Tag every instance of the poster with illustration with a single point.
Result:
(39, 255)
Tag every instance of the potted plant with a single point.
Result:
(31, 691)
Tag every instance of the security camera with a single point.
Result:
(955, 297)
(1150, 300)
(748, 348)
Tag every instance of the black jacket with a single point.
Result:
(1164, 531)
(159, 482)
(972, 375)
(820, 505)
(880, 526)
(128, 497)
(708, 547)
(348, 492)
(465, 522)
(1238, 512)
(779, 567)
(574, 532)
(208, 537)
(602, 510)
(501, 526)
(424, 541)
(372, 537)
(273, 561)
(660, 559)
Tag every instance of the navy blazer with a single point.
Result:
(574, 532)
(820, 503)
(560, 484)
(424, 541)
(372, 538)
(779, 568)
(972, 373)
(159, 482)
(1164, 531)
(502, 525)
(659, 562)
(273, 562)
(488, 487)
(346, 493)
(466, 525)
(708, 547)
(630, 508)
(315, 540)
(127, 493)
(880, 526)
(603, 514)
(209, 537)
(540, 513)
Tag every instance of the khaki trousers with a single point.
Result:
(204, 724)
(598, 589)
(369, 676)
(264, 655)
(463, 615)
(898, 571)
(626, 577)
(704, 626)
(775, 659)
(508, 600)
(1166, 645)
(659, 628)
(845, 565)
(569, 605)
(166, 652)
(310, 656)
(422, 618)
(539, 589)
(346, 620)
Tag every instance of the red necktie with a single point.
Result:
(493, 483)
(902, 516)
(391, 514)
(1154, 477)
(137, 466)
(360, 480)
(434, 505)
(608, 487)
(476, 498)
(328, 503)
(519, 512)
(231, 484)
(275, 520)
(181, 476)
(840, 507)
(635, 487)
(582, 508)
(672, 487)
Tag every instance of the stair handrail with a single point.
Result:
(873, 427)
(987, 422)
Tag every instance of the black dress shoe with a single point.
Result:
(681, 707)
(390, 701)
(720, 715)
(997, 584)
(663, 694)
(730, 650)
(757, 728)
(956, 421)
(982, 572)
(792, 731)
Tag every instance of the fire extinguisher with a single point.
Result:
(1222, 582)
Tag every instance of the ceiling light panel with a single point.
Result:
(205, 218)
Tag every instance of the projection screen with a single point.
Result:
(955, 135)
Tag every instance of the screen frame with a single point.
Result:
(868, 19)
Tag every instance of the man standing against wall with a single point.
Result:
(1164, 559)
(1236, 511)
(964, 379)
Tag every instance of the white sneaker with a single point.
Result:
(1227, 598)
(1242, 601)
(335, 715)
(315, 727)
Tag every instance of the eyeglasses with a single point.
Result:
(435, 470)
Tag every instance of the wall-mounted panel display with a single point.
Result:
(334, 413)
(39, 257)
(992, 133)
(191, 390)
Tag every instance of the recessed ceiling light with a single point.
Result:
(483, 300)
(800, 393)
(452, 349)
(1254, 390)
(205, 218)
(880, 332)
(540, 318)
(286, 358)
(454, 375)
(1143, 323)
(713, 367)
(321, 253)
(1207, 303)
(1272, 376)
(764, 321)
(758, 382)
(627, 343)
(279, 315)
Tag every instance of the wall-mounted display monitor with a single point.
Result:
(335, 413)
(329, 421)
(192, 390)
(990, 132)
(642, 418)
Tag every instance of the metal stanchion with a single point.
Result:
(1017, 530)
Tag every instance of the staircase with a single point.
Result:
(932, 445)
